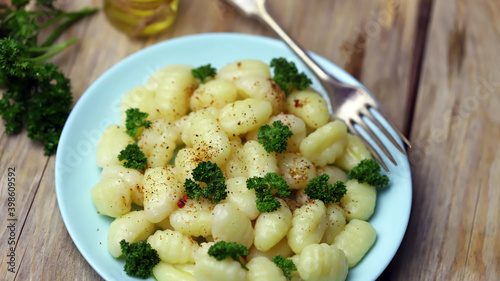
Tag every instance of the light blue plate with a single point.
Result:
(76, 172)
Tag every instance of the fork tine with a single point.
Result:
(378, 142)
(368, 145)
(378, 107)
(366, 112)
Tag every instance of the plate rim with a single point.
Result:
(142, 52)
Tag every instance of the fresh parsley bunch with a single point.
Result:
(36, 94)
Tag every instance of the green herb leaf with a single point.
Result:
(203, 72)
(274, 137)
(140, 258)
(368, 171)
(135, 120)
(319, 188)
(134, 157)
(222, 249)
(210, 174)
(264, 190)
(288, 77)
(286, 265)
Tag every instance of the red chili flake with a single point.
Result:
(349, 212)
(182, 202)
(298, 104)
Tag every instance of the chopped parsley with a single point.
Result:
(368, 171)
(319, 188)
(135, 120)
(140, 258)
(210, 174)
(274, 137)
(134, 157)
(222, 249)
(286, 265)
(264, 190)
(288, 77)
(203, 72)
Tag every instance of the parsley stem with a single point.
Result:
(72, 18)
(56, 50)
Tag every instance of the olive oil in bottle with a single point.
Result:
(140, 18)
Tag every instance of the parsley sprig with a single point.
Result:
(287, 76)
(134, 157)
(286, 265)
(264, 188)
(274, 137)
(140, 258)
(222, 249)
(368, 171)
(215, 183)
(203, 72)
(135, 120)
(319, 188)
(36, 94)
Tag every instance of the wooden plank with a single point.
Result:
(18, 153)
(372, 40)
(454, 228)
(45, 249)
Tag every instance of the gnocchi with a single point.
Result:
(219, 121)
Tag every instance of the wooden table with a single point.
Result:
(434, 64)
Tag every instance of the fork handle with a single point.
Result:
(264, 15)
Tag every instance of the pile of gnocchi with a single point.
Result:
(218, 121)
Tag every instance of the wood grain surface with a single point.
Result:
(432, 63)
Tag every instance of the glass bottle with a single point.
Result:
(140, 18)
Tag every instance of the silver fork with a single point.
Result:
(349, 102)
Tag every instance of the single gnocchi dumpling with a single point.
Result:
(186, 160)
(309, 224)
(138, 97)
(321, 262)
(207, 268)
(236, 70)
(172, 86)
(334, 173)
(162, 191)
(133, 178)
(280, 249)
(355, 240)
(243, 116)
(263, 269)
(158, 143)
(272, 227)
(309, 106)
(258, 162)
(231, 225)
(173, 247)
(262, 88)
(336, 222)
(113, 140)
(131, 227)
(112, 197)
(166, 272)
(236, 165)
(194, 218)
(297, 170)
(207, 137)
(355, 151)
(324, 145)
(216, 93)
(359, 200)
(179, 127)
(239, 195)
